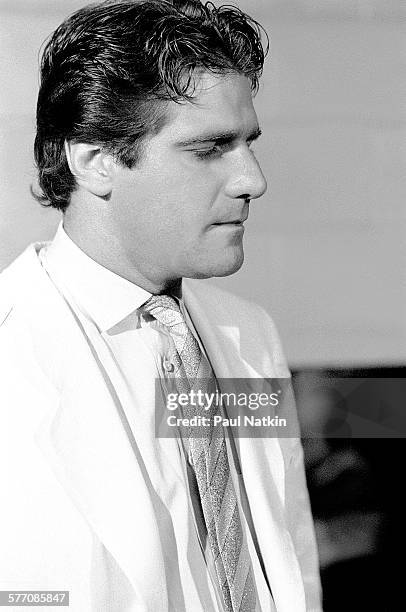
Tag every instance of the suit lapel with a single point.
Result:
(87, 438)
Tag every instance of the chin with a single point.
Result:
(230, 269)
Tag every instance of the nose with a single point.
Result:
(246, 180)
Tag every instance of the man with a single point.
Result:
(145, 127)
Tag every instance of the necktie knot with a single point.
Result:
(165, 309)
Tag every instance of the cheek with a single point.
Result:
(171, 200)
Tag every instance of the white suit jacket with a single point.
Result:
(77, 510)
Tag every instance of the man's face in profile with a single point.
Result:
(180, 211)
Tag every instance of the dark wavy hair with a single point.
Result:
(109, 70)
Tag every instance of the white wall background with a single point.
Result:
(326, 246)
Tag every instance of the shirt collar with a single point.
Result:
(101, 294)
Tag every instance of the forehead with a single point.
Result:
(221, 103)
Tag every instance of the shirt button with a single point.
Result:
(168, 365)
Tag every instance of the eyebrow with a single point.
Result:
(218, 137)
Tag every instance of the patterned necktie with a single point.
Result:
(209, 461)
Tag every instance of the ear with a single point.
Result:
(92, 168)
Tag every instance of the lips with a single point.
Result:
(232, 222)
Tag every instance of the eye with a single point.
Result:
(208, 153)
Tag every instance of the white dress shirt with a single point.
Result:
(109, 305)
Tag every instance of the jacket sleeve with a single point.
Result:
(300, 523)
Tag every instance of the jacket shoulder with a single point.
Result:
(15, 276)
(7, 296)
